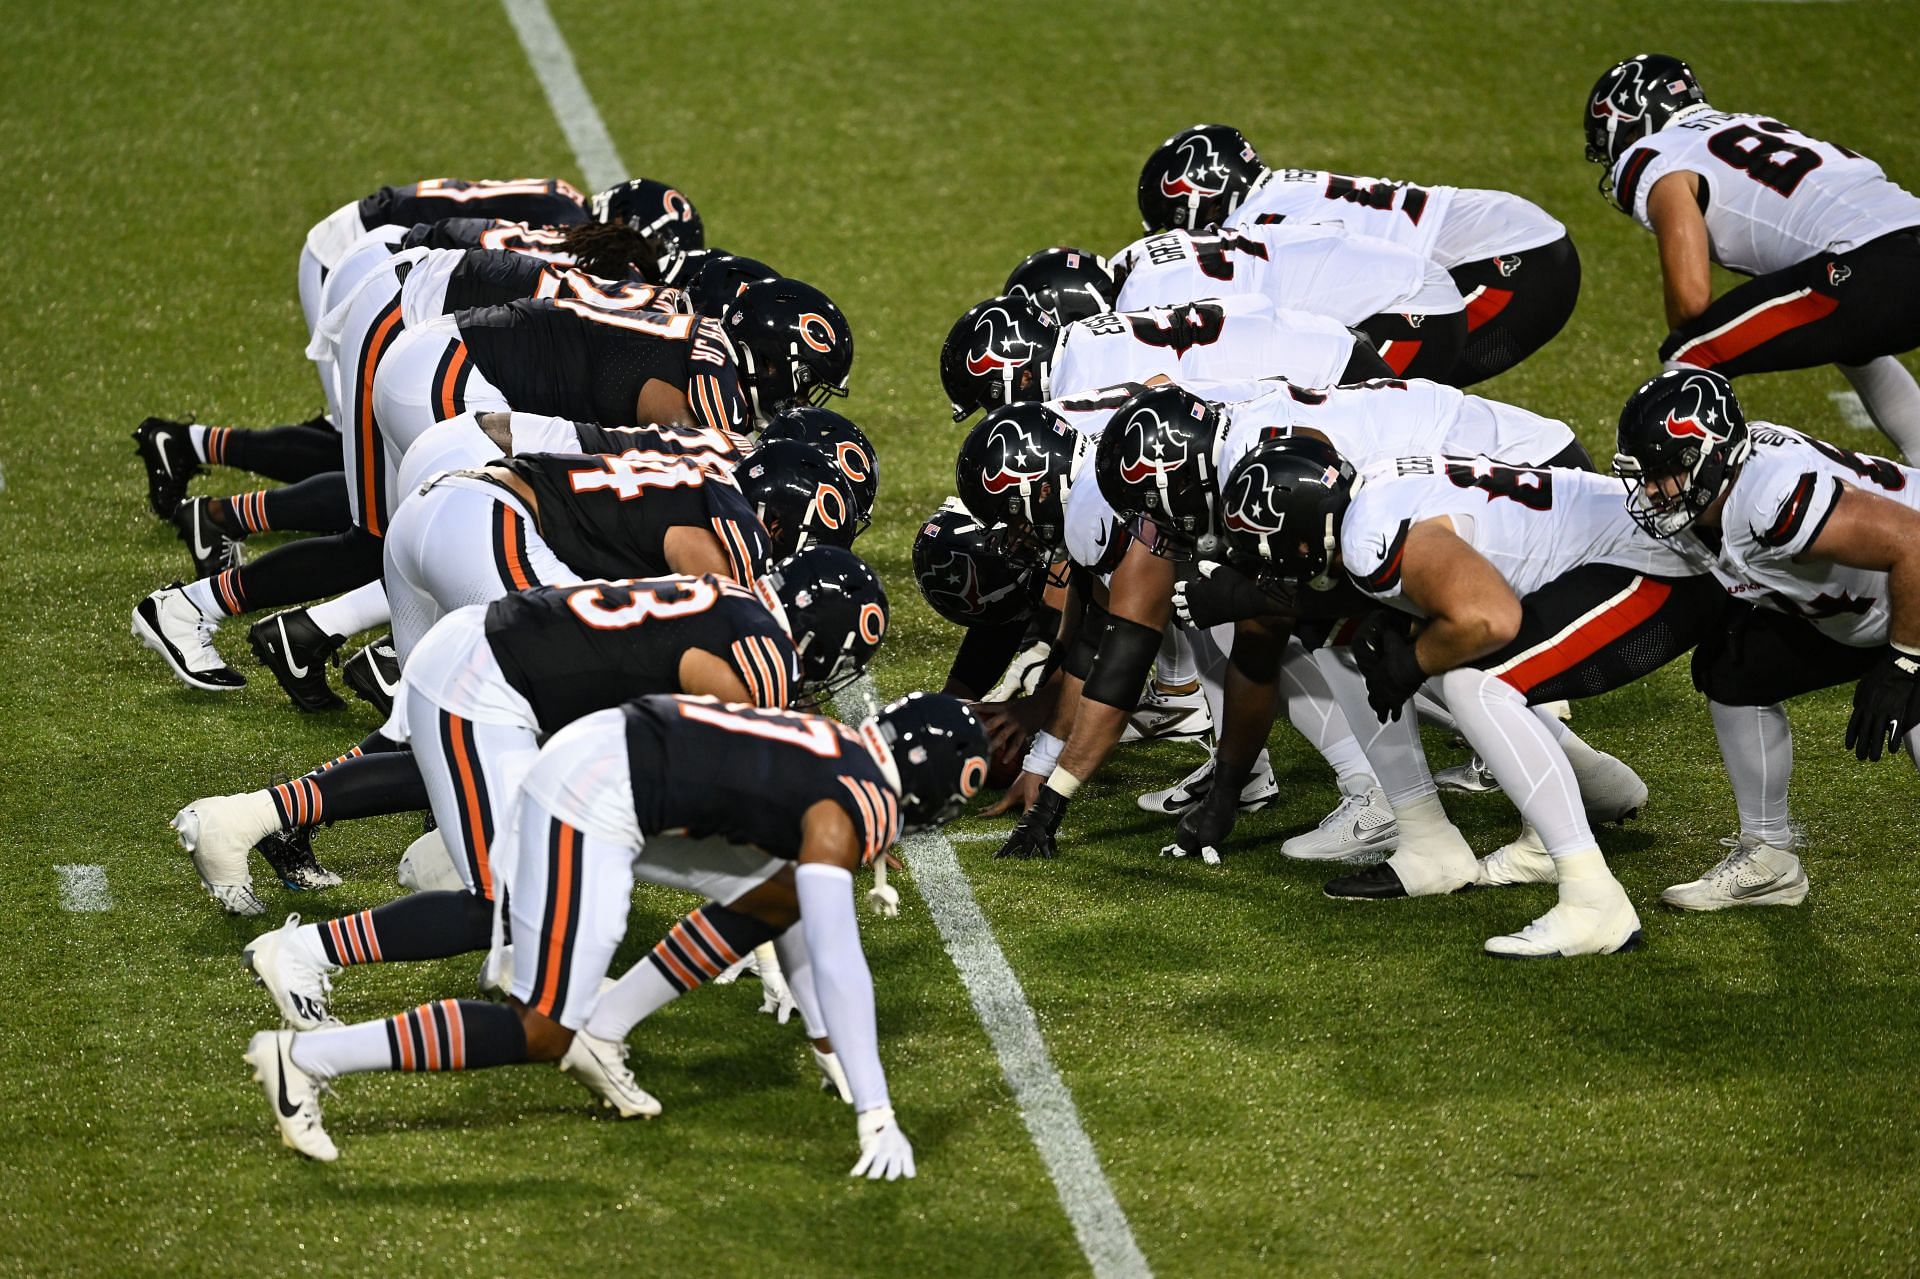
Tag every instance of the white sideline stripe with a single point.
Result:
(1852, 411)
(1045, 1103)
(573, 107)
(975, 836)
(84, 888)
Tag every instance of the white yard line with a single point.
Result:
(1045, 1103)
(84, 888)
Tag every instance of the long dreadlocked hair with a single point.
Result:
(612, 251)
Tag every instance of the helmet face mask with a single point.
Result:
(1155, 465)
(1682, 438)
(1632, 100)
(1197, 178)
(1000, 352)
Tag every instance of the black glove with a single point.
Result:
(1205, 827)
(1032, 835)
(1383, 650)
(1218, 593)
(1886, 704)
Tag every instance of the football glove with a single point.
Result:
(775, 998)
(1032, 835)
(885, 1151)
(1383, 650)
(1205, 826)
(1886, 703)
(1218, 593)
(832, 1078)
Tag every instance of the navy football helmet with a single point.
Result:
(1197, 178)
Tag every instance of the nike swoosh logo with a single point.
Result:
(1754, 890)
(160, 447)
(294, 668)
(287, 1107)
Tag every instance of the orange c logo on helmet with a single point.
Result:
(973, 775)
(833, 513)
(873, 623)
(824, 342)
(853, 460)
(678, 205)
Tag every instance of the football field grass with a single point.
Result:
(1274, 1083)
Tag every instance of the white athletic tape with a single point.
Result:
(1045, 1103)
(84, 888)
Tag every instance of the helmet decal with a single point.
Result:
(1703, 419)
(808, 323)
(996, 336)
(873, 623)
(678, 205)
(1248, 510)
(831, 504)
(973, 775)
(1201, 172)
(1147, 437)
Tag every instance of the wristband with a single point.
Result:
(1063, 783)
(1903, 650)
(1042, 754)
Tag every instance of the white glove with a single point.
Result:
(832, 1078)
(885, 900)
(775, 998)
(1022, 675)
(885, 1151)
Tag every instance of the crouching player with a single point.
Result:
(767, 814)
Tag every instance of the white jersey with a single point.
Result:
(1773, 196)
(1451, 225)
(1533, 524)
(1323, 269)
(1777, 506)
(1215, 340)
(1387, 418)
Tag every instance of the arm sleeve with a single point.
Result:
(841, 979)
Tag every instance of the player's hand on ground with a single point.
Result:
(832, 1078)
(1383, 650)
(1018, 798)
(1204, 828)
(1032, 835)
(885, 1152)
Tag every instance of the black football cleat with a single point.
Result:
(213, 551)
(374, 674)
(296, 651)
(290, 853)
(167, 451)
(1374, 884)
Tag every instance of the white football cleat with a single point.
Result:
(1610, 790)
(292, 1094)
(1169, 715)
(1360, 824)
(219, 831)
(1753, 874)
(298, 985)
(1524, 861)
(1260, 790)
(1472, 777)
(171, 625)
(601, 1065)
(1593, 916)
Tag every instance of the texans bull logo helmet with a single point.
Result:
(1681, 441)
(1014, 472)
(1154, 462)
(1634, 99)
(1197, 178)
(967, 579)
(1281, 508)
(999, 352)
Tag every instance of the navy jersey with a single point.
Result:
(541, 201)
(607, 515)
(548, 243)
(569, 358)
(573, 650)
(492, 277)
(705, 769)
(718, 451)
